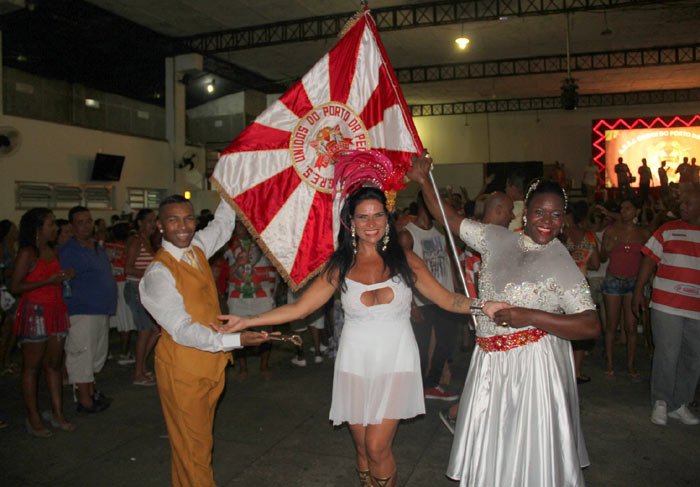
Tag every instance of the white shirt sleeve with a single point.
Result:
(218, 232)
(162, 299)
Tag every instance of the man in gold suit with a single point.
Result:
(178, 290)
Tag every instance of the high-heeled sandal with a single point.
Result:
(385, 482)
(42, 433)
(365, 478)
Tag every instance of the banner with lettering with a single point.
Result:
(278, 173)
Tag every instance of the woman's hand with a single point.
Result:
(491, 307)
(232, 324)
(513, 317)
(61, 276)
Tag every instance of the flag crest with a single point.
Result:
(278, 173)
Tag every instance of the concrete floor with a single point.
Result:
(274, 431)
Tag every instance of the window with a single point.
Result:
(138, 198)
(62, 196)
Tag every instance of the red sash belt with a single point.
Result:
(501, 343)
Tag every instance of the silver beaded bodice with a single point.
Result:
(520, 272)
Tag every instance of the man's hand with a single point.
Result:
(253, 338)
(420, 167)
(637, 303)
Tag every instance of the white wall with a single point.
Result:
(544, 136)
(56, 153)
(63, 154)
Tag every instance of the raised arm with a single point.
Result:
(315, 296)
(211, 238)
(420, 174)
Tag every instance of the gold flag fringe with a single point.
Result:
(351, 21)
(251, 229)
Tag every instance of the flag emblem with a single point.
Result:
(278, 173)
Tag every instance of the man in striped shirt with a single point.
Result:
(674, 251)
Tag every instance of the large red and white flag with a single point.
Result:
(278, 173)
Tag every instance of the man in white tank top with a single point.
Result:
(426, 241)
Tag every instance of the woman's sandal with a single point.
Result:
(365, 479)
(42, 433)
(385, 482)
(634, 376)
(609, 374)
(63, 426)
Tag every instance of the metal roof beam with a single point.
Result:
(554, 102)
(398, 17)
(241, 76)
(592, 61)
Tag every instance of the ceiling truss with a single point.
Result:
(629, 58)
(554, 102)
(242, 77)
(435, 13)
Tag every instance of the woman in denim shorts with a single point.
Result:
(41, 321)
(622, 245)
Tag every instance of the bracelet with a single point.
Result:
(477, 307)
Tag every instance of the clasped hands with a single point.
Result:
(512, 316)
(234, 324)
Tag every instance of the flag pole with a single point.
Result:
(450, 239)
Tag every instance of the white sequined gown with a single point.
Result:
(518, 422)
(377, 368)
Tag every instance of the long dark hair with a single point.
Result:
(141, 215)
(5, 226)
(343, 258)
(31, 221)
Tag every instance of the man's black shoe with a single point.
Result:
(100, 397)
(97, 407)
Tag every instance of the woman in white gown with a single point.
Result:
(518, 421)
(377, 379)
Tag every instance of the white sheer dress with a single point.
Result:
(377, 369)
(518, 422)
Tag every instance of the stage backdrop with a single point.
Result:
(659, 139)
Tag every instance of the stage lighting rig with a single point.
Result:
(569, 94)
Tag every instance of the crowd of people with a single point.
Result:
(545, 273)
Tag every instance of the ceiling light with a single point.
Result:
(188, 195)
(462, 42)
(606, 31)
(210, 87)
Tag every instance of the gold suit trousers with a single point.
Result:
(189, 403)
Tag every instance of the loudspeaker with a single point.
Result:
(569, 94)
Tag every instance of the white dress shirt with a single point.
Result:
(162, 299)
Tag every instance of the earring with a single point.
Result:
(524, 221)
(353, 234)
(385, 240)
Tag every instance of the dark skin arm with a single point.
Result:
(594, 259)
(578, 326)
(420, 174)
(26, 260)
(133, 246)
(646, 269)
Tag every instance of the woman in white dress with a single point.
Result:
(518, 421)
(377, 379)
